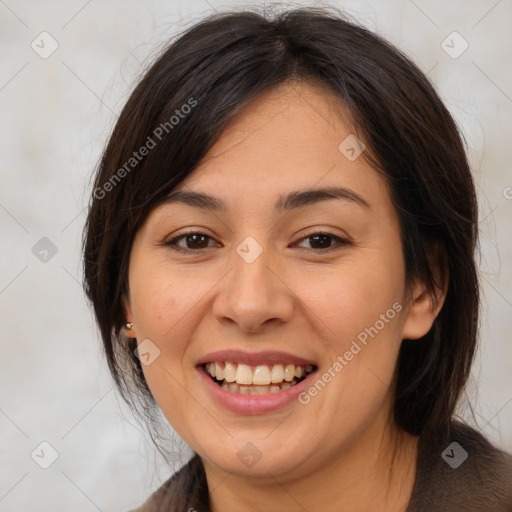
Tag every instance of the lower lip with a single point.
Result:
(254, 404)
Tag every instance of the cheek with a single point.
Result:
(348, 302)
(358, 311)
(160, 299)
(168, 306)
(164, 309)
(158, 305)
(360, 320)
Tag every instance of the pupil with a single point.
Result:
(324, 240)
(195, 239)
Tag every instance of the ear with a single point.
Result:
(425, 305)
(128, 316)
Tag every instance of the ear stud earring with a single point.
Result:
(129, 325)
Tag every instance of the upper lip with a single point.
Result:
(254, 358)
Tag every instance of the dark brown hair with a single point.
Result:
(222, 63)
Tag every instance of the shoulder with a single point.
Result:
(185, 491)
(460, 470)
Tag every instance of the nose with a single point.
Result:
(253, 295)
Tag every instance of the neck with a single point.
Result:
(379, 469)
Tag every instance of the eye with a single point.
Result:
(193, 241)
(322, 241)
(189, 242)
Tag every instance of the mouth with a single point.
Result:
(245, 379)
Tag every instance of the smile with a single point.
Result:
(245, 379)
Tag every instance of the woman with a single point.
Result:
(280, 256)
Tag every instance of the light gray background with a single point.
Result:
(56, 114)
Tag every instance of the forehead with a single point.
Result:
(293, 137)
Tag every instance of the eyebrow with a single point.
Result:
(287, 202)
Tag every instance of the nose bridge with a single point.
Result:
(252, 293)
(251, 268)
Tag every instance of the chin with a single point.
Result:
(258, 459)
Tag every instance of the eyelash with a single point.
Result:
(173, 242)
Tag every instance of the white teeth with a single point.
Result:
(229, 372)
(244, 374)
(277, 374)
(210, 368)
(289, 372)
(243, 389)
(242, 378)
(261, 375)
(219, 372)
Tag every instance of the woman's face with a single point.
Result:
(279, 281)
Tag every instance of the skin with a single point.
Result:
(335, 453)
